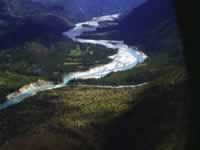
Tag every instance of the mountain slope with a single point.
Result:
(17, 28)
(148, 25)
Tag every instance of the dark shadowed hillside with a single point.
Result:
(18, 30)
(150, 24)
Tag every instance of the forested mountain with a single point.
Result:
(74, 10)
(152, 26)
(16, 28)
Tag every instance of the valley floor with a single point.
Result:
(150, 116)
(153, 116)
(33, 61)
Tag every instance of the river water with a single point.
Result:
(125, 58)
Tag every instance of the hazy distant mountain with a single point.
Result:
(92, 8)
(75, 10)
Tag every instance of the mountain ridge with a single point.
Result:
(148, 25)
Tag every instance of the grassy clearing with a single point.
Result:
(92, 105)
(75, 116)
(84, 56)
(72, 63)
(75, 52)
(84, 118)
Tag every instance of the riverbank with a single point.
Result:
(10, 82)
(125, 59)
(77, 118)
(31, 61)
(147, 71)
